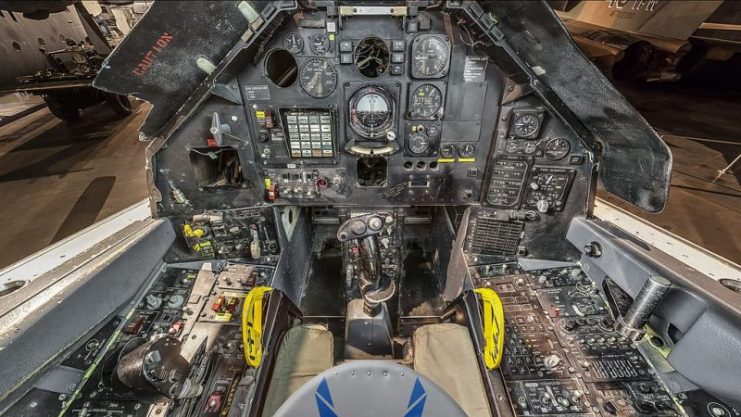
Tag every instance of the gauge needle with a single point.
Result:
(315, 79)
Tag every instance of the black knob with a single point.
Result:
(593, 250)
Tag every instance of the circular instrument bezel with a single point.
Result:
(529, 147)
(420, 70)
(333, 77)
(313, 43)
(299, 48)
(532, 132)
(431, 111)
(414, 140)
(562, 152)
(362, 129)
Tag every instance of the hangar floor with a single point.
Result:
(701, 125)
(57, 179)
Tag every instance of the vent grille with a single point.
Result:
(496, 237)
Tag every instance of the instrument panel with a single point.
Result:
(380, 111)
(334, 114)
(373, 108)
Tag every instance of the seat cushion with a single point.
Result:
(306, 351)
(445, 354)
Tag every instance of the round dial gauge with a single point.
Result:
(426, 101)
(371, 112)
(529, 147)
(549, 187)
(511, 146)
(525, 125)
(447, 151)
(549, 179)
(418, 144)
(319, 44)
(318, 78)
(430, 56)
(467, 151)
(557, 148)
(294, 43)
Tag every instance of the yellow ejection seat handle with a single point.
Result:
(252, 325)
(493, 315)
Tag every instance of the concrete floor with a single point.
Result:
(702, 126)
(17, 104)
(58, 179)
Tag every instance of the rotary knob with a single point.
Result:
(175, 301)
(375, 223)
(570, 325)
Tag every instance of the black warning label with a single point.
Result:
(475, 68)
(257, 92)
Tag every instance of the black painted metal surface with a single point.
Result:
(157, 62)
(636, 164)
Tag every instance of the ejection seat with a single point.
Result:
(445, 363)
(445, 354)
(305, 352)
(370, 388)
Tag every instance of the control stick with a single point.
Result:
(374, 287)
(632, 324)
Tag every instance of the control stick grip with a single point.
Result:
(365, 230)
(631, 324)
(370, 259)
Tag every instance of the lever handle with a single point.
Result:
(365, 230)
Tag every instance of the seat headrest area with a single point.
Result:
(443, 382)
(369, 388)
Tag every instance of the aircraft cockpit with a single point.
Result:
(380, 208)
